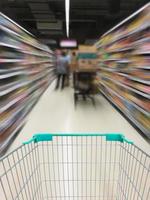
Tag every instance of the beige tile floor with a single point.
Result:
(55, 113)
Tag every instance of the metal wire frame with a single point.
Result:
(76, 168)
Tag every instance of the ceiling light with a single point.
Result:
(67, 11)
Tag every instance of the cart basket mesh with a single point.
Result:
(76, 167)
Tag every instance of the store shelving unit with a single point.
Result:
(26, 70)
(124, 67)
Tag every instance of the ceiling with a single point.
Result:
(89, 19)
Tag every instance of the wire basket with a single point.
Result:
(75, 167)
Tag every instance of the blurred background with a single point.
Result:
(88, 19)
(85, 67)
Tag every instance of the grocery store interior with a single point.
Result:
(102, 35)
(111, 44)
(75, 67)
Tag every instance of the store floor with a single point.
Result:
(55, 113)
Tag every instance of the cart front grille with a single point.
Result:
(76, 168)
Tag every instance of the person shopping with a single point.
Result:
(62, 69)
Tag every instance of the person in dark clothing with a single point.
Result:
(62, 69)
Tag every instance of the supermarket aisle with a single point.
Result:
(55, 112)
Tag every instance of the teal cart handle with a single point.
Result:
(49, 137)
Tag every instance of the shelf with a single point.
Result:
(139, 29)
(26, 70)
(9, 45)
(129, 116)
(117, 60)
(108, 69)
(21, 84)
(37, 62)
(28, 101)
(23, 72)
(121, 71)
(19, 37)
(124, 62)
(129, 101)
(35, 54)
(5, 123)
(8, 75)
(22, 61)
(2, 93)
(142, 41)
(132, 47)
(9, 31)
(10, 134)
(36, 46)
(111, 59)
(120, 50)
(22, 69)
(129, 88)
(10, 60)
(141, 53)
(128, 77)
(12, 69)
(14, 23)
(5, 144)
(24, 51)
(140, 25)
(9, 103)
(135, 79)
(137, 68)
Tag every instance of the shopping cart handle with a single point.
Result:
(117, 137)
(39, 138)
(49, 137)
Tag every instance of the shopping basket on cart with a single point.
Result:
(75, 167)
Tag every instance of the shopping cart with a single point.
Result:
(75, 167)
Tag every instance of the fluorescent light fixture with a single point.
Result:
(67, 11)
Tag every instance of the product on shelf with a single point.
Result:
(124, 62)
(26, 70)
